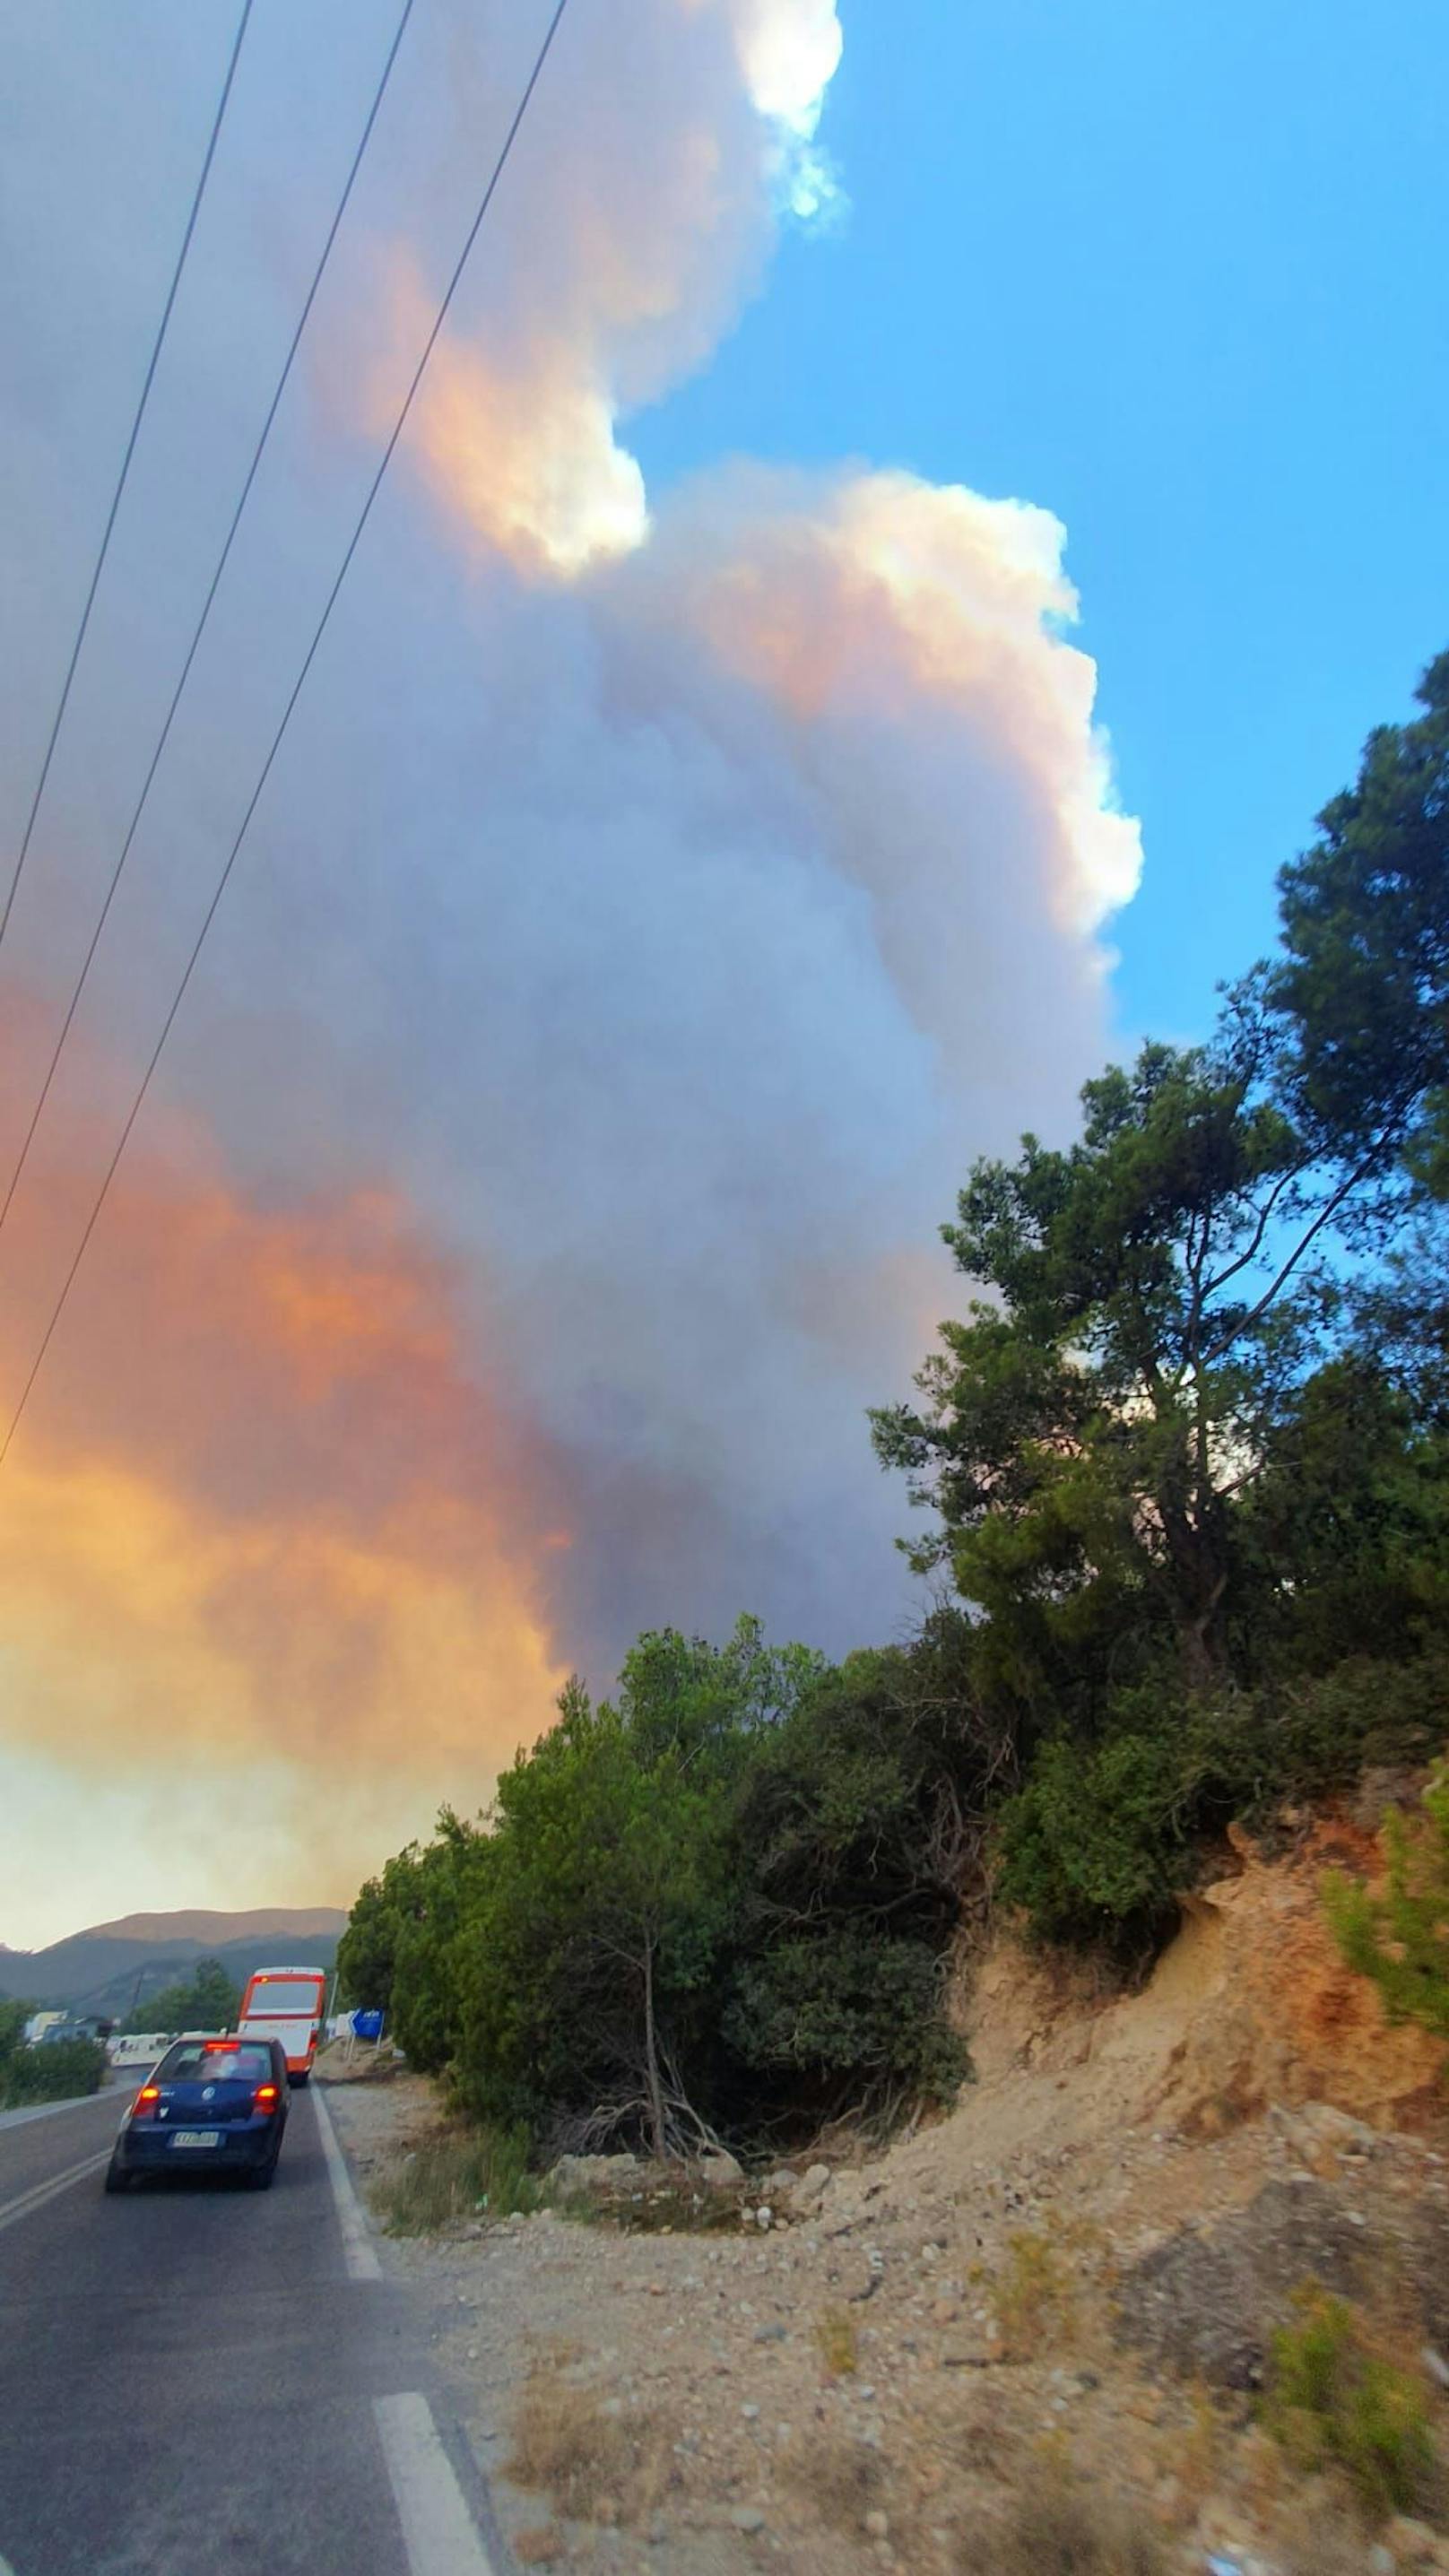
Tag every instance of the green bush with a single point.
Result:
(483, 2173)
(1401, 1939)
(1333, 2403)
(65, 2069)
(1103, 1836)
(869, 2009)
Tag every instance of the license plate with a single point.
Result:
(196, 2138)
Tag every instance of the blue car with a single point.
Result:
(211, 2106)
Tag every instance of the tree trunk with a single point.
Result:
(652, 2081)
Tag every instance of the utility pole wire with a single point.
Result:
(134, 1112)
(201, 623)
(125, 469)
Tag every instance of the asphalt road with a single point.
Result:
(199, 2380)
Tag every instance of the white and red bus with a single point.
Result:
(286, 2004)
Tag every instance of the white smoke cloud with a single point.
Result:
(667, 895)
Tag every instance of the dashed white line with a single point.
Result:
(439, 2533)
(41, 2192)
(359, 2253)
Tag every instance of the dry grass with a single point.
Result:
(1060, 2529)
(590, 2463)
(837, 2341)
(977, 2430)
(542, 2545)
(841, 2477)
(462, 2174)
(1320, 2548)
(1197, 2455)
(1035, 2297)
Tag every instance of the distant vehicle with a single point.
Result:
(212, 2105)
(138, 2047)
(286, 2004)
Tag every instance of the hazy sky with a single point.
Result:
(697, 838)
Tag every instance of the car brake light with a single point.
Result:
(265, 2097)
(148, 2093)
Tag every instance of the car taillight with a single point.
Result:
(265, 2098)
(148, 2094)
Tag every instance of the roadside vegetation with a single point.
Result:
(1185, 1462)
(1335, 2403)
(425, 2189)
(60, 2072)
(1401, 1938)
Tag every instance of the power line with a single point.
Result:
(219, 890)
(125, 468)
(201, 622)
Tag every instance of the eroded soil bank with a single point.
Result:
(1058, 2302)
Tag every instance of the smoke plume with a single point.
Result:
(660, 899)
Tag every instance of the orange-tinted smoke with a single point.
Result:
(261, 1506)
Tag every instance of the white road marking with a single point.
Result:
(439, 2533)
(41, 2192)
(359, 2252)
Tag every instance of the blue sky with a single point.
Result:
(1179, 275)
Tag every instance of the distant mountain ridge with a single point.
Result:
(311, 1921)
(111, 1967)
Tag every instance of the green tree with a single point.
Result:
(600, 1918)
(1154, 1295)
(1347, 1527)
(1363, 982)
(206, 2000)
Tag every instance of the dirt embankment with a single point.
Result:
(1057, 2302)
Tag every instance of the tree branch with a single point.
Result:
(1330, 1207)
(1295, 1172)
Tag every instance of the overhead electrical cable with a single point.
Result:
(219, 890)
(75, 652)
(201, 623)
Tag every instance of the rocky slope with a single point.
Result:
(1058, 2301)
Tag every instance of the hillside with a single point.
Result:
(110, 1967)
(1030, 2336)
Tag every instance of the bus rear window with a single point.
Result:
(278, 2000)
(202, 2061)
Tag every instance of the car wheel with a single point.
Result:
(297, 2081)
(117, 2178)
(261, 2177)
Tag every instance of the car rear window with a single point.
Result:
(283, 2002)
(193, 2062)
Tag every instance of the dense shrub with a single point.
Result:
(719, 1902)
(66, 2068)
(851, 2008)
(1104, 1835)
